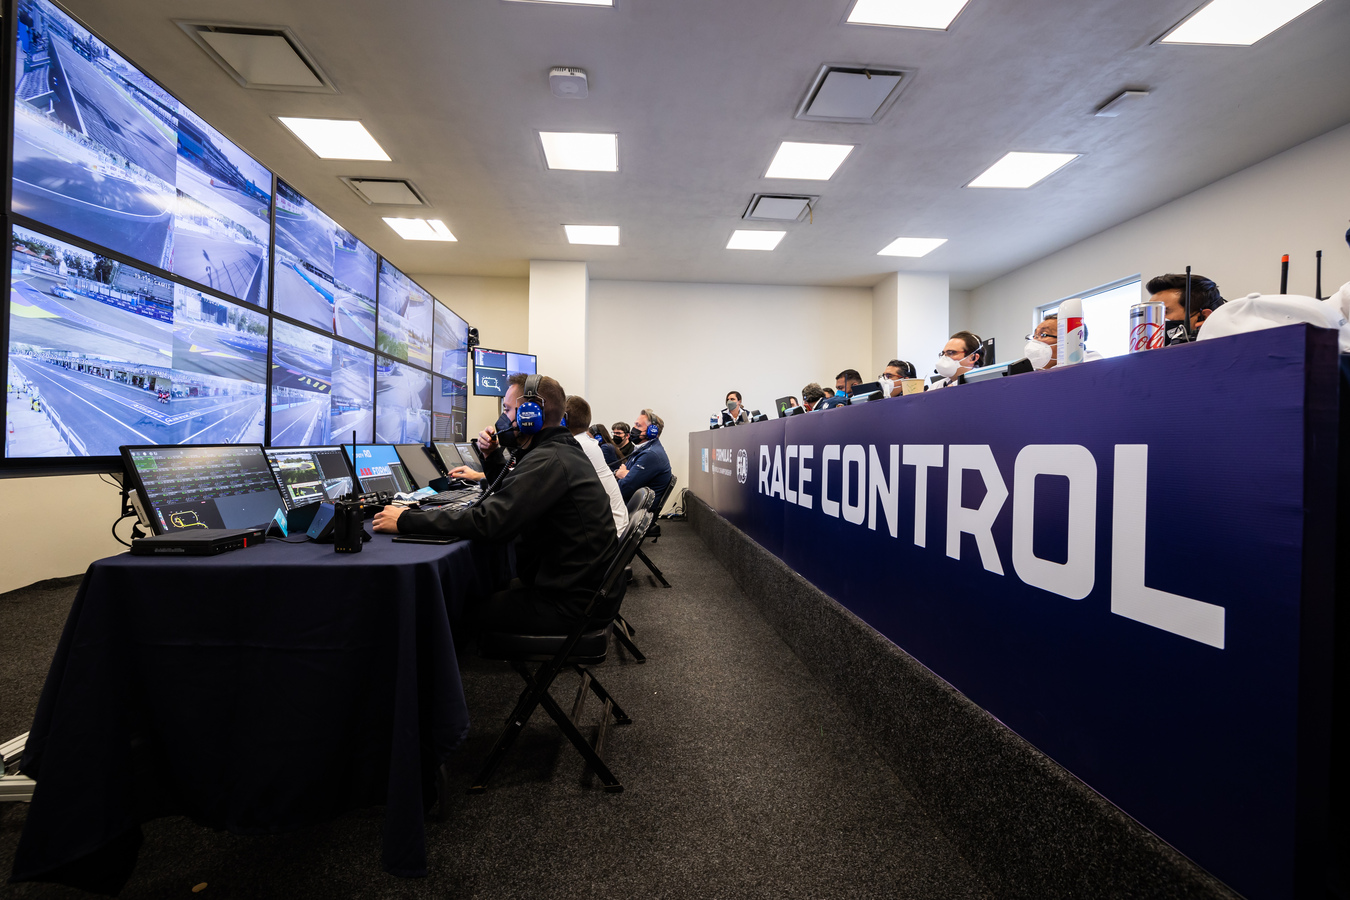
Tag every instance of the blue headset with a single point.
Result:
(530, 412)
(653, 430)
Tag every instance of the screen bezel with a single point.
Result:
(133, 475)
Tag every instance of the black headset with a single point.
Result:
(530, 411)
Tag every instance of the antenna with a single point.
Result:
(1187, 325)
(1284, 274)
(353, 495)
(1317, 292)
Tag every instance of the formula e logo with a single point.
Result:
(742, 466)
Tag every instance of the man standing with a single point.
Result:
(550, 499)
(648, 466)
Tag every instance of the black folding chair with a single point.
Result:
(586, 645)
(654, 531)
(638, 504)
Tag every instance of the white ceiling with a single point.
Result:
(702, 91)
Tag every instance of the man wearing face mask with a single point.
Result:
(549, 497)
(1042, 349)
(896, 369)
(621, 441)
(735, 412)
(959, 355)
(649, 466)
(1170, 290)
(844, 383)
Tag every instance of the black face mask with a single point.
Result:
(1174, 332)
(507, 435)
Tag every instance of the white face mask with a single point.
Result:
(886, 386)
(1038, 353)
(946, 366)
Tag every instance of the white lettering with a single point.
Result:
(763, 468)
(922, 457)
(805, 452)
(827, 506)
(1075, 576)
(978, 522)
(789, 454)
(1130, 597)
(854, 457)
(776, 486)
(724, 454)
(883, 491)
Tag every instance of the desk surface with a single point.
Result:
(256, 691)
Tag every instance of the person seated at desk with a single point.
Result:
(621, 439)
(896, 369)
(551, 500)
(735, 413)
(958, 356)
(812, 394)
(1046, 335)
(844, 383)
(600, 434)
(649, 466)
(1171, 290)
(579, 423)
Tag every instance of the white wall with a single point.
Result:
(65, 524)
(678, 348)
(558, 311)
(500, 309)
(1233, 231)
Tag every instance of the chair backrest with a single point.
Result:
(616, 579)
(670, 489)
(642, 499)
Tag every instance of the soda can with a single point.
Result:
(1147, 325)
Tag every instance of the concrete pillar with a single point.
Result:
(909, 319)
(558, 306)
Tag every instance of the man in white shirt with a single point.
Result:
(578, 422)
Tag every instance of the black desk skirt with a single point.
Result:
(256, 691)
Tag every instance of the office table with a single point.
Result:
(256, 691)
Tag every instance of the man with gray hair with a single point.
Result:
(649, 466)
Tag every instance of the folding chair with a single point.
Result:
(654, 532)
(639, 503)
(586, 645)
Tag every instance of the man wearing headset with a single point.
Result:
(551, 499)
(648, 466)
(958, 356)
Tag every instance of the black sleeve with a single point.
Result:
(523, 496)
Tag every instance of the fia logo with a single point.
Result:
(705, 459)
(742, 466)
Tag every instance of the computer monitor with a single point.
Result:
(418, 465)
(783, 404)
(204, 486)
(377, 467)
(309, 474)
(449, 455)
(492, 368)
(469, 455)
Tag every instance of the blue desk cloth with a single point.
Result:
(256, 691)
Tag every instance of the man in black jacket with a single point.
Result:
(551, 499)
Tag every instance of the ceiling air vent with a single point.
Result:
(386, 191)
(263, 58)
(856, 94)
(779, 207)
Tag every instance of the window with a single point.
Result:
(1106, 312)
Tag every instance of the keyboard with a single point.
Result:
(457, 499)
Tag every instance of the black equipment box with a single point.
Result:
(198, 542)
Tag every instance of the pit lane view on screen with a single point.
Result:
(104, 153)
(217, 486)
(405, 318)
(321, 388)
(324, 276)
(103, 354)
(378, 468)
(492, 368)
(309, 474)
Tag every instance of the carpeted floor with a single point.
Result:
(743, 780)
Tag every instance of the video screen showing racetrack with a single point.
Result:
(493, 368)
(310, 474)
(322, 389)
(204, 487)
(402, 403)
(324, 276)
(450, 412)
(378, 468)
(353, 393)
(452, 345)
(103, 354)
(405, 318)
(102, 152)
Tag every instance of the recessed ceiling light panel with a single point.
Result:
(604, 235)
(1238, 23)
(569, 2)
(336, 138)
(754, 240)
(1022, 170)
(931, 14)
(580, 151)
(911, 247)
(807, 162)
(420, 229)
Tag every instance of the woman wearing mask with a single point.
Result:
(736, 409)
(607, 447)
(958, 356)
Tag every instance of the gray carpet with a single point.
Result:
(743, 779)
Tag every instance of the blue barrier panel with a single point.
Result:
(1128, 562)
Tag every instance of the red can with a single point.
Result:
(1147, 325)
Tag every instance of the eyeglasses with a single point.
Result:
(953, 354)
(1040, 336)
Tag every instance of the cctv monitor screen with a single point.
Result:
(451, 345)
(469, 455)
(405, 319)
(214, 486)
(378, 468)
(309, 474)
(492, 369)
(403, 403)
(448, 454)
(418, 465)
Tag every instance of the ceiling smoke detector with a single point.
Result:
(263, 58)
(854, 94)
(567, 82)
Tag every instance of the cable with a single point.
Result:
(119, 522)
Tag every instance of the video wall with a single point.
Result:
(165, 288)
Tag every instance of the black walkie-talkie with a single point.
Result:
(348, 530)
